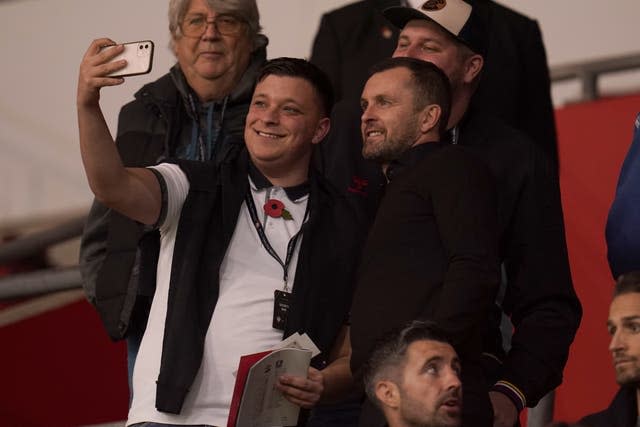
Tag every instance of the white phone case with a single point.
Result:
(139, 56)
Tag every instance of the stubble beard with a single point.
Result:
(629, 376)
(391, 148)
(414, 414)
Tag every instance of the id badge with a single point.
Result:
(281, 305)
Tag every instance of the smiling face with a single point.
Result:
(431, 391)
(390, 122)
(425, 40)
(283, 123)
(213, 57)
(624, 327)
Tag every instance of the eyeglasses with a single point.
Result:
(196, 25)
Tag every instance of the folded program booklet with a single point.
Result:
(256, 401)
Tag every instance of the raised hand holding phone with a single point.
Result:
(139, 57)
(105, 63)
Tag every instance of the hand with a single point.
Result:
(94, 66)
(304, 392)
(505, 413)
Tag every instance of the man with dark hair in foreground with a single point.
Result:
(252, 250)
(432, 253)
(413, 376)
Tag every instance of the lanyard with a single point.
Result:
(205, 148)
(251, 207)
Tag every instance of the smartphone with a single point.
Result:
(139, 56)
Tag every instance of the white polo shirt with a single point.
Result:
(242, 319)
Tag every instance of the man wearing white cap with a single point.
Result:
(539, 295)
(515, 84)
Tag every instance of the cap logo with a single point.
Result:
(433, 5)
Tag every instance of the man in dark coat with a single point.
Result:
(432, 252)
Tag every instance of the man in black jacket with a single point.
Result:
(426, 256)
(624, 328)
(539, 295)
(252, 250)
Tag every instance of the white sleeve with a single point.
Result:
(175, 187)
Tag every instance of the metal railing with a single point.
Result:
(39, 241)
(589, 72)
(41, 281)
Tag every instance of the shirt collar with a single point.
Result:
(411, 157)
(261, 182)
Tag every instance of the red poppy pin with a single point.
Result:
(275, 209)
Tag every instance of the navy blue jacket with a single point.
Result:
(623, 224)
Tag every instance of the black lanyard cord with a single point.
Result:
(251, 207)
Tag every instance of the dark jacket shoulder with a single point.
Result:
(349, 40)
(622, 412)
(496, 142)
(151, 98)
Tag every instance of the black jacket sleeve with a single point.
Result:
(540, 298)
(515, 83)
(465, 211)
(535, 115)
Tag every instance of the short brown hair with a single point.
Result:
(627, 283)
(431, 84)
(389, 354)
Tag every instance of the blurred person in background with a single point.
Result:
(624, 328)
